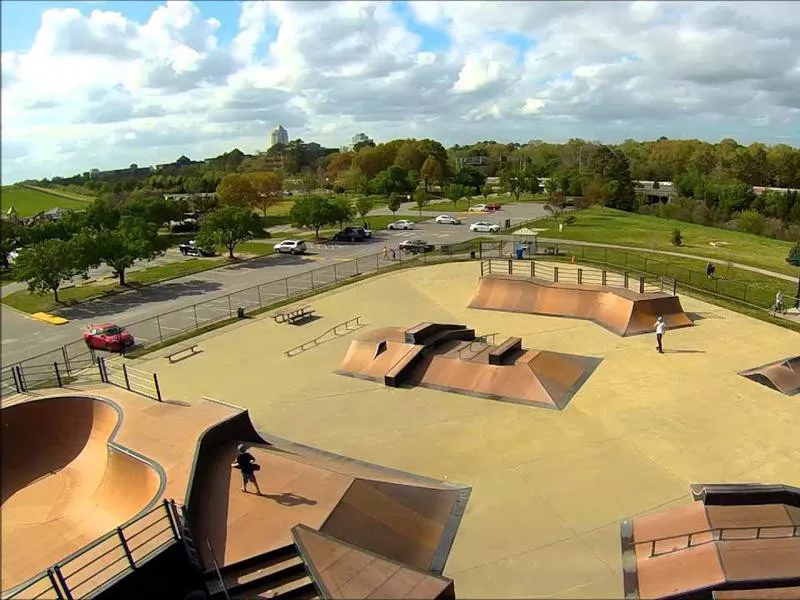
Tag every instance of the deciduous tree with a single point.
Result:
(229, 226)
(394, 204)
(46, 265)
(134, 239)
(269, 189)
(421, 199)
(364, 205)
(236, 190)
(312, 211)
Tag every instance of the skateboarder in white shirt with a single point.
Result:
(661, 327)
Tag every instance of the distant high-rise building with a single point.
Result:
(279, 135)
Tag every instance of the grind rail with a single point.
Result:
(317, 340)
(577, 275)
(718, 535)
(106, 559)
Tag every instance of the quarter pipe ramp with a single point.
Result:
(619, 310)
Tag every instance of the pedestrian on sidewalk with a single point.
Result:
(661, 327)
(246, 463)
(710, 269)
(385, 253)
(394, 256)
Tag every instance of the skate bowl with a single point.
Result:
(621, 311)
(452, 358)
(65, 482)
(782, 376)
(733, 537)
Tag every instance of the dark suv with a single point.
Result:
(350, 234)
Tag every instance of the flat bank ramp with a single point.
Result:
(345, 572)
(621, 311)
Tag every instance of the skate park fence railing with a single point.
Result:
(183, 322)
(20, 378)
(552, 273)
(107, 559)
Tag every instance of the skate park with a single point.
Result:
(549, 488)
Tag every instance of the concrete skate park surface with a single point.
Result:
(549, 488)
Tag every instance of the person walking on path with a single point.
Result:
(779, 306)
(385, 253)
(246, 463)
(661, 327)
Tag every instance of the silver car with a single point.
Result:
(401, 224)
(290, 247)
(447, 220)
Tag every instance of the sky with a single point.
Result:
(106, 84)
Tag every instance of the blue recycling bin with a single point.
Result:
(520, 252)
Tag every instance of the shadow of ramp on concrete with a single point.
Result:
(782, 376)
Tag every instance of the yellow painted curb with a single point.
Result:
(52, 319)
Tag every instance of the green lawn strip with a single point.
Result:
(28, 202)
(609, 226)
(61, 193)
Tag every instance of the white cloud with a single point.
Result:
(97, 89)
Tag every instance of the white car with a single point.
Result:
(447, 220)
(401, 224)
(290, 247)
(484, 227)
(478, 208)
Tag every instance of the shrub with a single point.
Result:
(571, 219)
(677, 238)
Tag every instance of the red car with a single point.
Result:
(107, 336)
(494, 206)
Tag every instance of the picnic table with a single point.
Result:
(293, 315)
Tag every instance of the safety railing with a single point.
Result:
(130, 378)
(347, 326)
(106, 559)
(718, 535)
(578, 275)
(483, 340)
(18, 379)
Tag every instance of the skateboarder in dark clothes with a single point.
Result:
(246, 463)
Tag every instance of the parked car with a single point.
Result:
(350, 234)
(290, 247)
(484, 227)
(107, 336)
(478, 208)
(365, 231)
(192, 249)
(447, 220)
(416, 246)
(401, 224)
(494, 206)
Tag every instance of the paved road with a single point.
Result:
(23, 337)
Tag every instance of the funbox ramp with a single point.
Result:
(621, 311)
(782, 376)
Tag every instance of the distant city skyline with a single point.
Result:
(279, 135)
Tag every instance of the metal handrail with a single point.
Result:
(315, 341)
(216, 568)
(717, 534)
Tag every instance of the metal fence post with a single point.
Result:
(58, 374)
(555, 274)
(230, 307)
(580, 276)
(641, 284)
(17, 381)
(66, 359)
(51, 576)
(510, 266)
(158, 387)
(101, 364)
(312, 279)
(63, 582)
(603, 278)
(625, 280)
(286, 284)
(125, 548)
(196, 323)
(127, 381)
(335, 276)
(23, 386)
(533, 269)
(674, 287)
(171, 519)
(158, 323)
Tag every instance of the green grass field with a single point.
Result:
(605, 225)
(62, 193)
(28, 202)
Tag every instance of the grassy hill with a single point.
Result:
(609, 226)
(28, 200)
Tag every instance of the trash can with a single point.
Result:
(240, 313)
(472, 253)
(520, 252)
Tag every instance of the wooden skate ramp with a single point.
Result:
(706, 547)
(64, 483)
(783, 375)
(452, 360)
(343, 571)
(619, 310)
